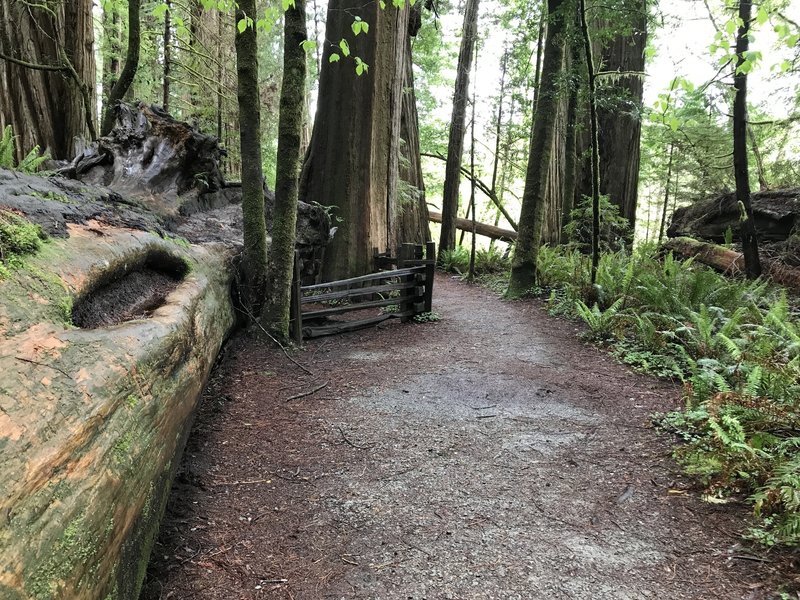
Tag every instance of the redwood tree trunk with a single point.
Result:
(412, 220)
(352, 160)
(752, 263)
(46, 108)
(526, 252)
(455, 145)
(619, 108)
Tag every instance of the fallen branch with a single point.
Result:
(253, 319)
(487, 191)
(490, 231)
(308, 393)
(350, 443)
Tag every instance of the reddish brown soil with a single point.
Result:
(487, 455)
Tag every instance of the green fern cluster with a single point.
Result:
(736, 347)
(487, 261)
(30, 163)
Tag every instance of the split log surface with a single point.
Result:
(731, 261)
(490, 231)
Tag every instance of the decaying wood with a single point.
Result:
(776, 214)
(490, 231)
(732, 262)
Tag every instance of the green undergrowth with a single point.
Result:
(735, 346)
(18, 237)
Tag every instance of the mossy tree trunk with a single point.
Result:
(290, 130)
(254, 257)
(526, 252)
(455, 145)
(125, 80)
(47, 74)
(752, 262)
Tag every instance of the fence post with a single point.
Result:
(430, 273)
(297, 307)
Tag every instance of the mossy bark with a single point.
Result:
(129, 70)
(290, 129)
(523, 269)
(254, 258)
(92, 422)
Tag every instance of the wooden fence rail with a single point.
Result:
(409, 288)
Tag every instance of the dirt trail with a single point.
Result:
(489, 455)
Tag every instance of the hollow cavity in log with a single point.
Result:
(132, 291)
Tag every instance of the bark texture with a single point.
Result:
(123, 84)
(254, 259)
(455, 145)
(523, 269)
(93, 422)
(352, 161)
(740, 164)
(412, 211)
(290, 129)
(47, 108)
(619, 90)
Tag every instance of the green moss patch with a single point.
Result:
(18, 237)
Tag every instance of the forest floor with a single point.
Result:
(488, 455)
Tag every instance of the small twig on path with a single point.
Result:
(308, 393)
(414, 547)
(349, 562)
(483, 407)
(223, 550)
(318, 348)
(350, 443)
(749, 557)
(252, 482)
(485, 416)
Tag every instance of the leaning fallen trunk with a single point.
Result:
(490, 231)
(93, 421)
(732, 262)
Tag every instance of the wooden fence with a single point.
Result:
(400, 293)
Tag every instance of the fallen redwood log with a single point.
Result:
(490, 231)
(776, 213)
(731, 262)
